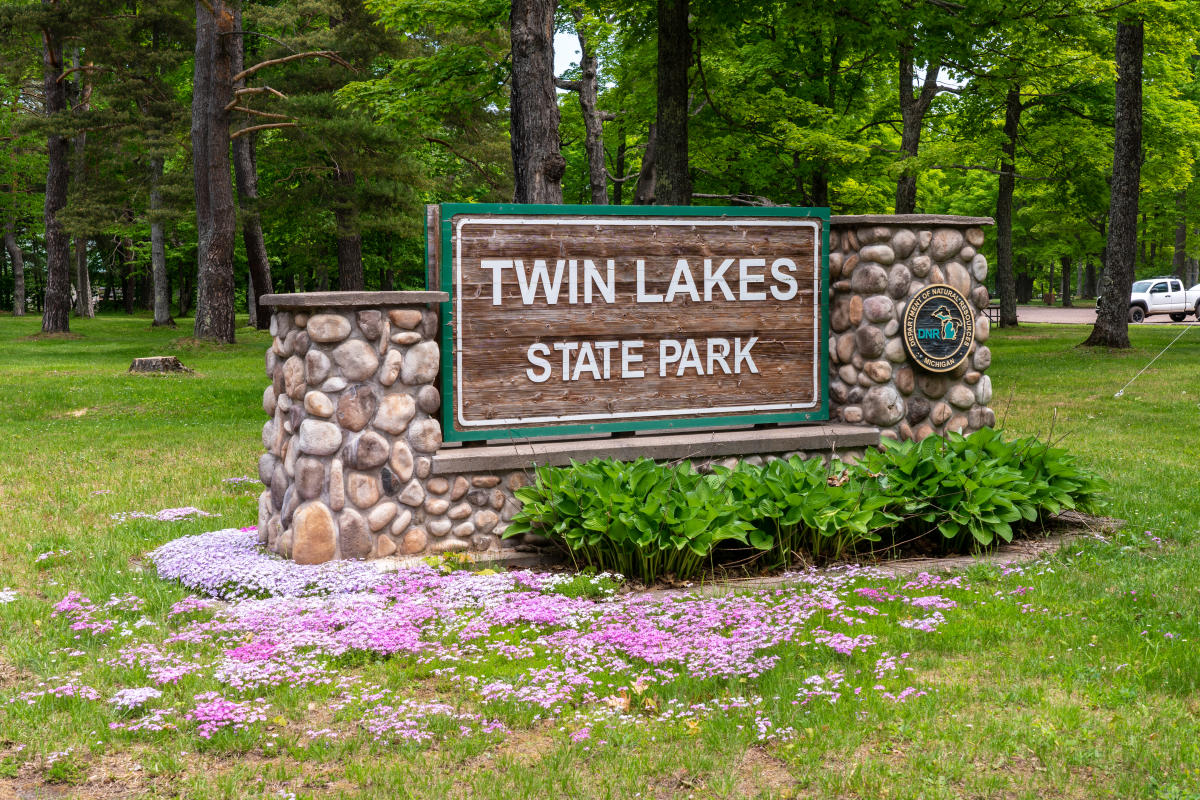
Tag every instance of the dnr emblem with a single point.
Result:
(939, 328)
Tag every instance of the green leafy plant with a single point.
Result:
(450, 562)
(803, 506)
(973, 490)
(1056, 479)
(647, 520)
(639, 518)
(66, 769)
(958, 491)
(584, 584)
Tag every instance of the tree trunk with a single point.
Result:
(673, 183)
(185, 293)
(245, 168)
(820, 188)
(1005, 284)
(57, 315)
(1089, 279)
(349, 253)
(212, 90)
(618, 189)
(593, 118)
(1023, 288)
(349, 238)
(18, 267)
(538, 164)
(83, 278)
(1141, 260)
(1179, 258)
(912, 117)
(158, 250)
(1065, 263)
(643, 194)
(1112, 319)
(124, 248)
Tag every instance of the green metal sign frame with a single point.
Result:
(446, 273)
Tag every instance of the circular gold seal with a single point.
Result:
(939, 327)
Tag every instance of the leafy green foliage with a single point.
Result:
(637, 518)
(648, 520)
(804, 506)
(973, 489)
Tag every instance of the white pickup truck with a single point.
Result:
(1164, 295)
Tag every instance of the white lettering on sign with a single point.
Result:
(682, 281)
(675, 357)
(787, 280)
(642, 295)
(716, 278)
(629, 358)
(535, 355)
(541, 283)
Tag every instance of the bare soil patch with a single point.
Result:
(762, 774)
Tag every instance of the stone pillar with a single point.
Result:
(354, 408)
(876, 263)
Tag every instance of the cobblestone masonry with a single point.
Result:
(875, 265)
(354, 403)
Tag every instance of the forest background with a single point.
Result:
(202, 153)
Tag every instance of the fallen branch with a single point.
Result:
(741, 199)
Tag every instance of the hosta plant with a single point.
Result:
(807, 508)
(969, 491)
(638, 518)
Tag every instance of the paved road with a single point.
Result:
(1081, 315)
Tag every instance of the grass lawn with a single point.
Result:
(1076, 676)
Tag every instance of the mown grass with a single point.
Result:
(1078, 694)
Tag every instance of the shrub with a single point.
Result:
(949, 487)
(647, 520)
(969, 490)
(803, 506)
(1056, 480)
(639, 518)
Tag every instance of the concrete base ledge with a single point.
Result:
(351, 299)
(755, 441)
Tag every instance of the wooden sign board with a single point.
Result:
(580, 319)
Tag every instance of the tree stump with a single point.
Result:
(157, 364)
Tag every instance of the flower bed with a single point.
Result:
(511, 650)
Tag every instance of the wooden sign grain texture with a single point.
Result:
(570, 320)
